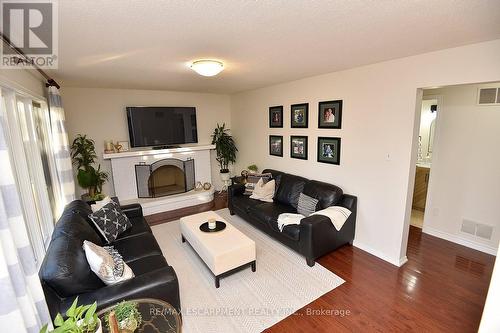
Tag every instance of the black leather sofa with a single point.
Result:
(316, 235)
(65, 273)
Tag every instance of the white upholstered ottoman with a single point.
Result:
(224, 252)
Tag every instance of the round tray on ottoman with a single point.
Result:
(219, 225)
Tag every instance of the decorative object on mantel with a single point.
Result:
(226, 151)
(124, 146)
(207, 186)
(118, 147)
(83, 155)
(108, 147)
(244, 173)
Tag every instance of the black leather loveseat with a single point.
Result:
(316, 235)
(65, 273)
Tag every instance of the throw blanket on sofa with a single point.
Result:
(285, 219)
(337, 215)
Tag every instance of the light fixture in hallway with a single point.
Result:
(207, 67)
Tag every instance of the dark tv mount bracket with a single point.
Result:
(165, 147)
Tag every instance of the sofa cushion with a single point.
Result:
(327, 194)
(244, 202)
(276, 176)
(65, 267)
(139, 226)
(73, 225)
(292, 231)
(268, 213)
(78, 207)
(289, 189)
(147, 264)
(137, 247)
(111, 221)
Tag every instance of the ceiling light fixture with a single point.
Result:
(207, 67)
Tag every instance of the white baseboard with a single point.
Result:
(396, 262)
(460, 240)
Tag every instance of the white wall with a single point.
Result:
(379, 132)
(465, 177)
(100, 113)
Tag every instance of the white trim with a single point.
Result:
(147, 152)
(398, 262)
(20, 90)
(460, 240)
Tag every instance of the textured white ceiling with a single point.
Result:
(146, 44)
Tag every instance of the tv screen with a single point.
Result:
(159, 126)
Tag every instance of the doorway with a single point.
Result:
(428, 119)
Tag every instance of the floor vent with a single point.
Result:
(477, 229)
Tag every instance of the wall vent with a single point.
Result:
(477, 229)
(488, 96)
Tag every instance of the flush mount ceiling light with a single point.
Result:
(207, 67)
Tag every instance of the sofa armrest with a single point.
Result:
(132, 210)
(233, 191)
(161, 284)
(236, 189)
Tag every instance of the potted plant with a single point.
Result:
(80, 319)
(84, 156)
(126, 316)
(225, 149)
(253, 168)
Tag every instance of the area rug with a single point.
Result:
(246, 301)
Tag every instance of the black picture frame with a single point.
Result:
(276, 111)
(303, 121)
(276, 149)
(335, 120)
(335, 151)
(293, 152)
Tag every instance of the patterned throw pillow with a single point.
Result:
(107, 263)
(111, 221)
(306, 205)
(253, 179)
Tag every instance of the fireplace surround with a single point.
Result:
(164, 177)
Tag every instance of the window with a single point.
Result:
(24, 121)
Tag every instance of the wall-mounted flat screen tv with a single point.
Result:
(161, 126)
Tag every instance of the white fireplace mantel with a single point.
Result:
(133, 153)
(125, 182)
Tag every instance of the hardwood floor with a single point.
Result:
(442, 288)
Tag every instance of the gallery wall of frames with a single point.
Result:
(329, 117)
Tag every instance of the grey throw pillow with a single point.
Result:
(111, 221)
(307, 205)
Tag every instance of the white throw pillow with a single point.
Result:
(107, 263)
(99, 204)
(264, 192)
(338, 215)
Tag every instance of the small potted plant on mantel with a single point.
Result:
(80, 319)
(83, 155)
(225, 149)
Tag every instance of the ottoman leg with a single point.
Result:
(183, 239)
(254, 268)
(217, 284)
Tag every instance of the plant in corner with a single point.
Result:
(84, 156)
(225, 149)
(80, 319)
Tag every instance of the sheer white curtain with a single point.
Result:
(64, 186)
(22, 303)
